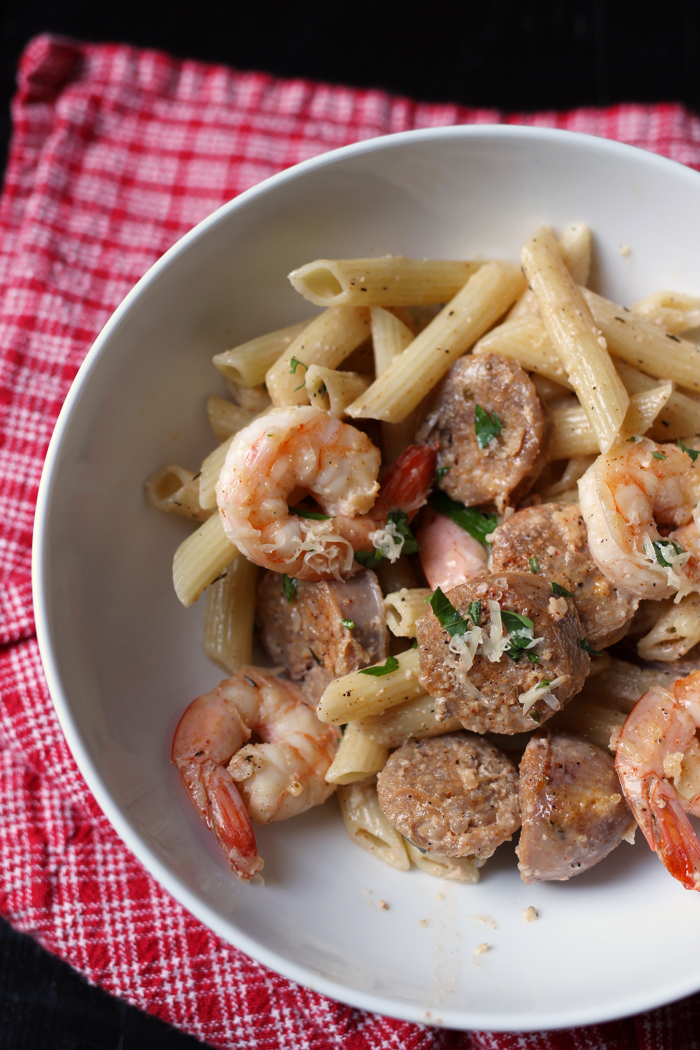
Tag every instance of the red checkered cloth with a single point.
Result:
(116, 153)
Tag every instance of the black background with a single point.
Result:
(516, 56)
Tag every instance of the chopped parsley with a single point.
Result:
(560, 591)
(588, 648)
(348, 624)
(474, 612)
(536, 717)
(294, 364)
(414, 644)
(693, 453)
(290, 587)
(392, 664)
(486, 427)
(521, 631)
(543, 684)
(447, 616)
(370, 559)
(659, 455)
(662, 552)
(315, 515)
(319, 662)
(472, 521)
(440, 473)
(534, 564)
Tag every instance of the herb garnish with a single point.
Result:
(349, 624)
(534, 564)
(474, 612)
(447, 616)
(440, 473)
(588, 648)
(693, 453)
(486, 427)
(370, 559)
(290, 587)
(392, 664)
(472, 521)
(295, 362)
(659, 455)
(661, 549)
(520, 628)
(315, 515)
(561, 591)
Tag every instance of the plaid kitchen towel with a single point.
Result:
(115, 154)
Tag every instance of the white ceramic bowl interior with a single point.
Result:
(124, 659)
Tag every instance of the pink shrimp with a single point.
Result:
(658, 763)
(301, 450)
(229, 781)
(448, 554)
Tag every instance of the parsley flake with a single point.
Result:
(290, 587)
(349, 624)
(486, 427)
(693, 453)
(440, 473)
(661, 549)
(370, 559)
(472, 521)
(447, 616)
(392, 664)
(521, 631)
(294, 364)
(588, 648)
(560, 591)
(659, 455)
(534, 564)
(474, 612)
(315, 515)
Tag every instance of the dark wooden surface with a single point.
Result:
(520, 55)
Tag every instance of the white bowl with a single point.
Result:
(124, 659)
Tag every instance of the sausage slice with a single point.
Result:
(573, 809)
(486, 697)
(307, 636)
(455, 795)
(511, 462)
(555, 534)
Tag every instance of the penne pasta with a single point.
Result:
(358, 694)
(569, 325)
(225, 418)
(672, 311)
(228, 624)
(485, 297)
(575, 247)
(647, 347)
(390, 337)
(415, 719)
(200, 559)
(247, 364)
(209, 474)
(573, 434)
(526, 341)
(254, 399)
(460, 869)
(357, 758)
(175, 489)
(390, 280)
(332, 390)
(404, 608)
(327, 341)
(367, 826)
(674, 633)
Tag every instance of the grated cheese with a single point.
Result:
(542, 692)
(388, 541)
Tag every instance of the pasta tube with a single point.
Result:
(357, 695)
(175, 489)
(460, 869)
(367, 826)
(248, 363)
(390, 337)
(332, 390)
(415, 719)
(390, 280)
(228, 625)
(404, 608)
(209, 474)
(674, 633)
(200, 559)
(327, 340)
(575, 247)
(357, 758)
(225, 418)
(573, 434)
(485, 297)
(672, 311)
(569, 325)
(525, 341)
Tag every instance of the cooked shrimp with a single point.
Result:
(625, 495)
(658, 762)
(448, 554)
(231, 781)
(289, 453)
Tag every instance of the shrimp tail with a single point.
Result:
(215, 796)
(674, 838)
(407, 483)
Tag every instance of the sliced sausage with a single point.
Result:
(488, 696)
(511, 462)
(555, 535)
(456, 795)
(573, 809)
(307, 636)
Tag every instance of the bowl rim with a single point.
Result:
(300, 973)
